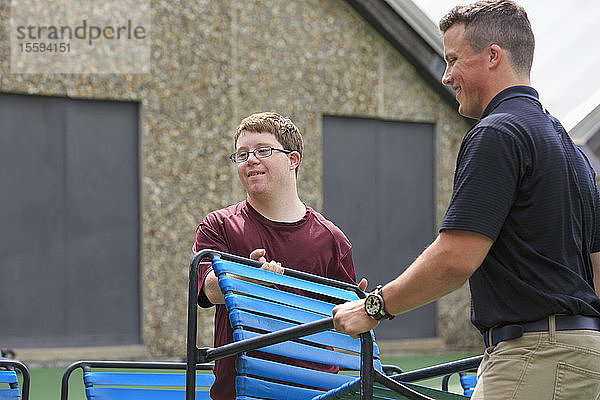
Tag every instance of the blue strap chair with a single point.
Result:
(130, 380)
(467, 379)
(287, 317)
(468, 382)
(9, 381)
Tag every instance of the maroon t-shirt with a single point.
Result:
(312, 244)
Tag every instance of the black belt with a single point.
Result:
(563, 323)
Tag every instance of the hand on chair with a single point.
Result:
(273, 266)
(351, 318)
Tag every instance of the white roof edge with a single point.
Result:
(420, 22)
(587, 128)
(582, 123)
(584, 120)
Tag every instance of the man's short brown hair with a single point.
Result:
(502, 22)
(281, 127)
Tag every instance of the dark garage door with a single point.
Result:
(69, 231)
(378, 187)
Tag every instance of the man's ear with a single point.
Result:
(295, 159)
(495, 54)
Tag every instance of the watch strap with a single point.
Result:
(386, 315)
(383, 314)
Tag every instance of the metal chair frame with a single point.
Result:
(87, 366)
(368, 375)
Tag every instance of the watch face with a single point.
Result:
(372, 305)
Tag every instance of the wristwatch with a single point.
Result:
(375, 306)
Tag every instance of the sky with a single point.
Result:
(566, 61)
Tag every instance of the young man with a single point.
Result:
(272, 222)
(523, 224)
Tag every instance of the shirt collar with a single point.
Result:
(510, 93)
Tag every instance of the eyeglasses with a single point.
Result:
(259, 152)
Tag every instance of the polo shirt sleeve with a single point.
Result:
(489, 167)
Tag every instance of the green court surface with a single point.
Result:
(45, 382)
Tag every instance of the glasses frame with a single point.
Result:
(233, 157)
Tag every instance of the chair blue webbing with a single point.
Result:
(105, 380)
(8, 386)
(261, 301)
(468, 383)
(285, 343)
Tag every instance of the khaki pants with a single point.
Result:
(554, 365)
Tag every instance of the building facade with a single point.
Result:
(213, 63)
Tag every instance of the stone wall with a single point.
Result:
(215, 62)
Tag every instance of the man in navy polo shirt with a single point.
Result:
(523, 224)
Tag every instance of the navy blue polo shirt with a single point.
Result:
(521, 181)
